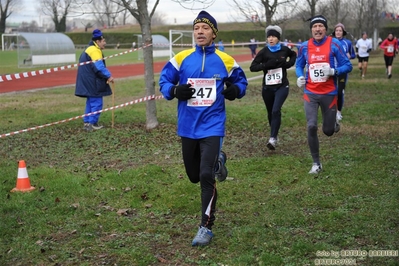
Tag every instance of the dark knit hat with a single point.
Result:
(205, 17)
(273, 30)
(318, 19)
(97, 35)
(343, 29)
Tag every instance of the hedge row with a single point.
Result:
(126, 39)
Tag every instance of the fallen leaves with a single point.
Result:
(123, 212)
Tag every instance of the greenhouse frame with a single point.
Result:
(160, 45)
(41, 49)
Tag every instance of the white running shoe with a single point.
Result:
(271, 144)
(339, 116)
(96, 126)
(316, 168)
(203, 237)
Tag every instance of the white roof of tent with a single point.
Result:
(47, 43)
(158, 41)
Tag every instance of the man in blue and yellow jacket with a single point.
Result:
(93, 80)
(197, 78)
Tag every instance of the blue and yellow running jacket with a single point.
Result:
(91, 80)
(207, 69)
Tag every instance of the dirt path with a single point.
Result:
(68, 77)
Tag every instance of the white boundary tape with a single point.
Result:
(11, 77)
(16, 76)
(41, 72)
(146, 98)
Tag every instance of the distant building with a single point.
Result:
(12, 27)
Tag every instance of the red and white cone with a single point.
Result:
(23, 182)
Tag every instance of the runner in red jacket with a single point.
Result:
(390, 47)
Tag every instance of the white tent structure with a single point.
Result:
(160, 45)
(36, 49)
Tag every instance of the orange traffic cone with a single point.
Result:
(23, 183)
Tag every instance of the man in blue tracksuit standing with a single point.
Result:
(93, 80)
(197, 78)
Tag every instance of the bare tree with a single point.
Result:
(123, 16)
(265, 12)
(139, 10)
(6, 9)
(367, 15)
(158, 19)
(338, 11)
(33, 26)
(58, 11)
(392, 5)
(195, 4)
(310, 9)
(105, 12)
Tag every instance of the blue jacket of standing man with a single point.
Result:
(93, 80)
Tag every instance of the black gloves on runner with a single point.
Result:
(274, 63)
(270, 64)
(231, 92)
(182, 92)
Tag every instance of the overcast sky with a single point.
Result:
(173, 12)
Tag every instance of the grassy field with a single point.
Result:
(120, 196)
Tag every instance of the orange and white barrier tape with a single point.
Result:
(16, 76)
(144, 99)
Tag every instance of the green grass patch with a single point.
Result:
(120, 196)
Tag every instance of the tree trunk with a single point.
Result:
(2, 23)
(145, 23)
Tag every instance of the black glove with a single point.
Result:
(182, 92)
(280, 62)
(268, 65)
(286, 65)
(273, 63)
(231, 92)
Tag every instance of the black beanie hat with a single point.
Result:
(273, 30)
(318, 19)
(205, 17)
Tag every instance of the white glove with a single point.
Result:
(301, 81)
(328, 71)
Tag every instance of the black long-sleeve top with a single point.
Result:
(267, 60)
